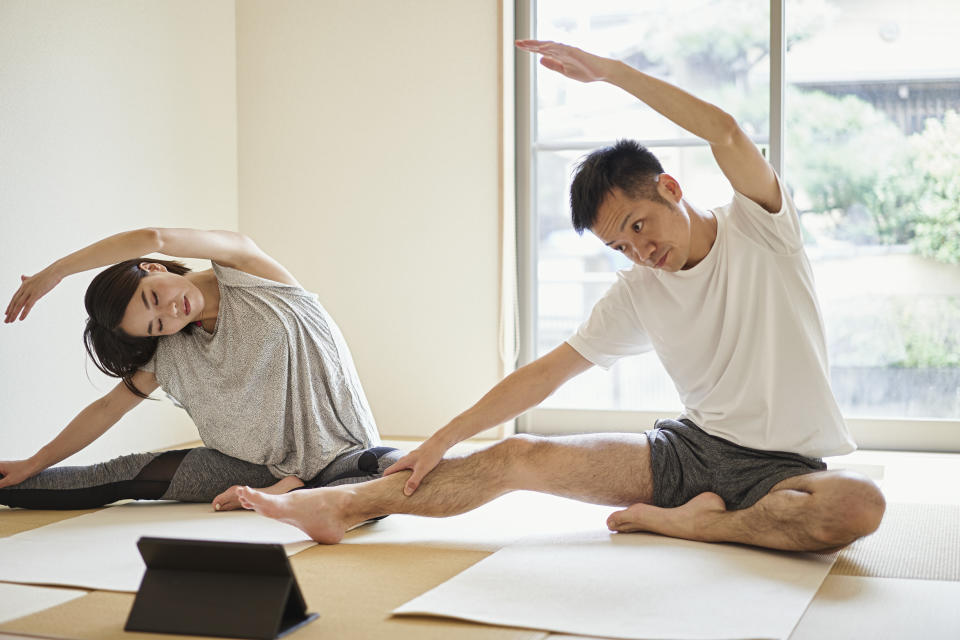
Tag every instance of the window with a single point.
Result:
(872, 156)
(869, 157)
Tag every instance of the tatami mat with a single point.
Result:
(13, 521)
(920, 541)
(355, 586)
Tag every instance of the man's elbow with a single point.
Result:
(728, 131)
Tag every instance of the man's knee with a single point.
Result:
(852, 507)
(520, 446)
(511, 459)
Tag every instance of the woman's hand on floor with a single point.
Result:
(16, 471)
(229, 501)
(32, 288)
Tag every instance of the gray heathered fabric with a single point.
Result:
(274, 384)
(687, 461)
(205, 473)
(345, 469)
(201, 475)
(116, 470)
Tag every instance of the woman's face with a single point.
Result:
(162, 305)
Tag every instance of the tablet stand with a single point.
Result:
(208, 588)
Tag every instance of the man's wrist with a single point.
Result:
(450, 435)
(618, 73)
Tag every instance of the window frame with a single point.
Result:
(905, 434)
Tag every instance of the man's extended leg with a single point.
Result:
(810, 512)
(611, 469)
(817, 511)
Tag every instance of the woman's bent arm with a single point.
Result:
(90, 424)
(224, 247)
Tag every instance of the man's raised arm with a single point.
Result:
(738, 158)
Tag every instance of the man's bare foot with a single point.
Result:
(684, 521)
(320, 513)
(228, 500)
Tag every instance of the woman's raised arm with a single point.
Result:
(224, 247)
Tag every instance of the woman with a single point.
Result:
(254, 359)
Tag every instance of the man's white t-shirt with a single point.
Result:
(740, 334)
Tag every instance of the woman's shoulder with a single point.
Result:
(232, 277)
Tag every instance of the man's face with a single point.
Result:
(652, 233)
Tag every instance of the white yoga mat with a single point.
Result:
(507, 520)
(99, 550)
(17, 600)
(636, 586)
(881, 608)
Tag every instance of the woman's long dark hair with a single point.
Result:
(114, 351)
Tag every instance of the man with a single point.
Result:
(726, 299)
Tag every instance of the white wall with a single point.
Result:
(368, 159)
(113, 115)
(368, 166)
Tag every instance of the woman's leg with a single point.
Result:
(138, 476)
(356, 466)
(205, 473)
(349, 468)
(188, 475)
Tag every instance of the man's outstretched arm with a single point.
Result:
(526, 387)
(738, 158)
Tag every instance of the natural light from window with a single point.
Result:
(872, 156)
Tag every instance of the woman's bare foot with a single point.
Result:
(320, 513)
(228, 500)
(685, 521)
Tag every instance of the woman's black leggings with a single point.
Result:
(186, 475)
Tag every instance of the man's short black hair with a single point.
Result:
(628, 165)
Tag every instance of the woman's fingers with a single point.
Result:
(13, 308)
(27, 306)
(20, 304)
(13, 472)
(32, 289)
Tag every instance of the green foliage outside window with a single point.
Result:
(851, 162)
(883, 187)
(936, 157)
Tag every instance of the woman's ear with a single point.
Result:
(152, 267)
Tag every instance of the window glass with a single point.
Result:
(717, 50)
(872, 158)
(872, 154)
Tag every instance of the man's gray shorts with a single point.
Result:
(686, 461)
